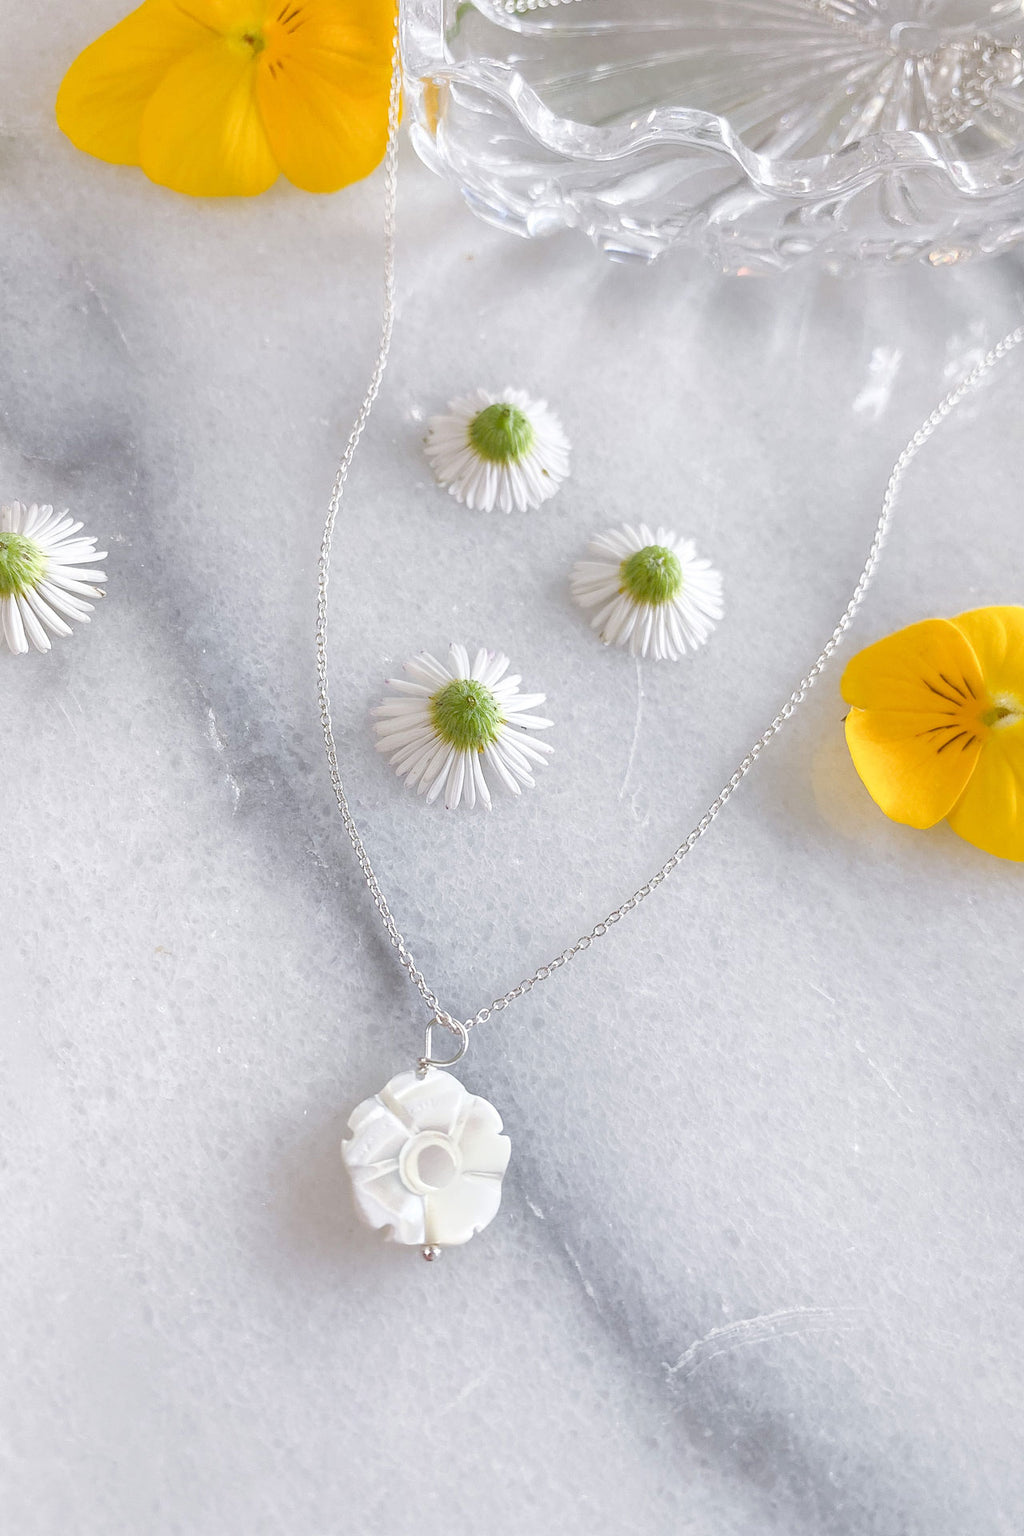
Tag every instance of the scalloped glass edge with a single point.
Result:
(427, 62)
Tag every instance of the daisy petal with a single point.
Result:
(458, 656)
(481, 783)
(13, 628)
(456, 779)
(438, 784)
(498, 764)
(34, 631)
(428, 669)
(64, 603)
(54, 623)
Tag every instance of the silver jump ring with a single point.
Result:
(428, 1059)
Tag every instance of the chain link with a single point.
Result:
(956, 395)
(324, 568)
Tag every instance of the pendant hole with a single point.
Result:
(435, 1166)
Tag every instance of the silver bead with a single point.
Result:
(431, 1252)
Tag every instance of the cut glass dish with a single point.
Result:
(762, 131)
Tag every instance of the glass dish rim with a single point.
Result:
(838, 173)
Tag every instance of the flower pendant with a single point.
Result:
(426, 1158)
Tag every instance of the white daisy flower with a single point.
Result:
(449, 724)
(498, 450)
(650, 590)
(43, 580)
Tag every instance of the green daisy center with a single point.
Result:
(501, 433)
(466, 714)
(652, 575)
(22, 564)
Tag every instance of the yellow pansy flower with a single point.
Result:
(218, 97)
(937, 725)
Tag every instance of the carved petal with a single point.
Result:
(381, 1156)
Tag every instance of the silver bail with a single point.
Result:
(428, 1059)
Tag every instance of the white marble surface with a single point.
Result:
(758, 1268)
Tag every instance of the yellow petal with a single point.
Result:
(322, 85)
(914, 770)
(103, 95)
(990, 812)
(915, 732)
(201, 131)
(996, 636)
(927, 668)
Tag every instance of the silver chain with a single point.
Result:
(460, 1027)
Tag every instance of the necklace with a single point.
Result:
(427, 1157)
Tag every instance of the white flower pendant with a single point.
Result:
(426, 1158)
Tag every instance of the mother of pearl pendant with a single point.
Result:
(426, 1159)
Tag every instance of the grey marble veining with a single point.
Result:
(757, 1272)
